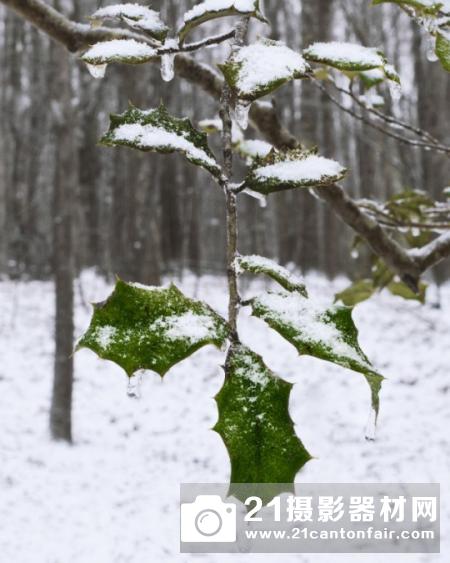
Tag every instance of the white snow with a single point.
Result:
(255, 147)
(242, 6)
(112, 497)
(311, 169)
(350, 53)
(189, 326)
(251, 369)
(135, 15)
(104, 335)
(149, 136)
(263, 63)
(256, 261)
(121, 50)
(306, 316)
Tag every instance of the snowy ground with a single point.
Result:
(113, 496)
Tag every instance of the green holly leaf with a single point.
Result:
(357, 293)
(443, 48)
(293, 169)
(353, 60)
(261, 265)
(206, 11)
(156, 130)
(399, 289)
(372, 77)
(329, 334)
(258, 69)
(421, 6)
(153, 328)
(136, 16)
(255, 424)
(127, 51)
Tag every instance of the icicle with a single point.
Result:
(167, 67)
(241, 112)
(97, 71)
(262, 200)
(431, 49)
(168, 60)
(371, 427)
(134, 386)
(395, 90)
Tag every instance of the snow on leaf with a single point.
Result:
(261, 68)
(253, 148)
(136, 16)
(345, 56)
(293, 169)
(212, 9)
(261, 265)
(151, 328)
(119, 51)
(156, 130)
(255, 424)
(372, 77)
(329, 334)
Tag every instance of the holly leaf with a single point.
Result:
(427, 7)
(258, 69)
(210, 10)
(158, 131)
(293, 169)
(136, 16)
(349, 57)
(443, 48)
(127, 51)
(399, 289)
(255, 424)
(357, 293)
(140, 327)
(329, 334)
(261, 265)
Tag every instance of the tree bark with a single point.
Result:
(65, 182)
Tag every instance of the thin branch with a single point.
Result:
(363, 119)
(432, 253)
(207, 42)
(226, 100)
(396, 122)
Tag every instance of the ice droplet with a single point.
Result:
(241, 112)
(167, 67)
(371, 426)
(262, 200)
(431, 49)
(395, 90)
(96, 71)
(134, 387)
(355, 254)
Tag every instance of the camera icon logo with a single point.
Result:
(208, 520)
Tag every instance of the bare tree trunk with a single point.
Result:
(64, 188)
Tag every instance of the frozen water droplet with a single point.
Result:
(241, 112)
(167, 67)
(355, 254)
(134, 387)
(97, 71)
(431, 49)
(262, 200)
(395, 90)
(371, 427)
